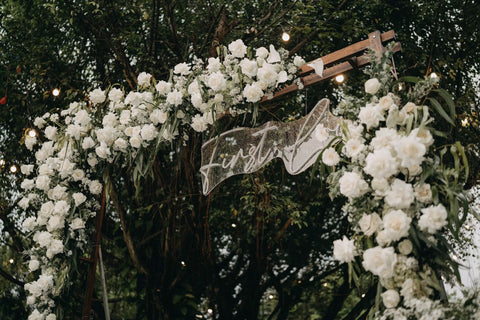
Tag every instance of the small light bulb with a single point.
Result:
(270, 297)
(285, 36)
(13, 169)
(11, 260)
(32, 133)
(363, 295)
(465, 122)
(234, 225)
(56, 92)
(325, 284)
(210, 311)
(183, 263)
(2, 162)
(433, 75)
(340, 78)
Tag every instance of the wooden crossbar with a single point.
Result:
(340, 61)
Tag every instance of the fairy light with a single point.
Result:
(183, 263)
(11, 261)
(13, 169)
(32, 133)
(363, 295)
(433, 75)
(340, 78)
(56, 92)
(325, 284)
(234, 225)
(210, 311)
(285, 36)
(465, 122)
(2, 162)
(270, 297)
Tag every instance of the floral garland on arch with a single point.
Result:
(388, 166)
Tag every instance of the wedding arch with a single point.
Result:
(402, 196)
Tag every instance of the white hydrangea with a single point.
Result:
(344, 250)
(97, 96)
(237, 48)
(433, 218)
(352, 185)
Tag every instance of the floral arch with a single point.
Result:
(401, 196)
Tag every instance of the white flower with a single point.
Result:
(182, 69)
(95, 187)
(409, 288)
(433, 218)
(196, 100)
(217, 81)
(261, 52)
(405, 247)
(97, 96)
(344, 250)
(199, 123)
(372, 86)
(115, 95)
(253, 92)
(27, 184)
(409, 107)
(33, 265)
(51, 133)
(135, 141)
(43, 238)
(58, 193)
(385, 138)
(158, 116)
(43, 183)
(144, 79)
(423, 193)
(120, 144)
(47, 208)
(352, 185)
(29, 223)
(371, 116)
(55, 247)
(35, 315)
(87, 143)
(237, 48)
(51, 316)
(26, 169)
(30, 142)
(103, 151)
(79, 198)
(163, 87)
(61, 208)
(55, 222)
(380, 261)
(385, 102)
(381, 164)
(39, 122)
(267, 74)
(273, 55)
(24, 203)
(390, 298)
(330, 157)
(320, 133)
(175, 98)
(77, 223)
(109, 120)
(410, 151)
(214, 64)
(134, 99)
(249, 67)
(317, 65)
(400, 196)
(92, 160)
(298, 61)
(78, 174)
(370, 223)
(353, 148)
(396, 224)
(148, 132)
(423, 135)
(74, 131)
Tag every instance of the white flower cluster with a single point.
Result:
(63, 188)
(386, 149)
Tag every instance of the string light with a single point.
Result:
(340, 78)
(325, 284)
(234, 225)
(32, 133)
(433, 75)
(11, 261)
(56, 92)
(183, 263)
(270, 297)
(13, 169)
(210, 311)
(2, 162)
(363, 295)
(285, 36)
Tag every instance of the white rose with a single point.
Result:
(95, 187)
(381, 186)
(51, 133)
(352, 185)
(213, 65)
(217, 81)
(45, 170)
(58, 193)
(330, 157)
(385, 102)
(120, 145)
(409, 107)
(61, 208)
(92, 160)
(163, 87)
(148, 132)
(30, 142)
(175, 98)
(79, 198)
(199, 123)
(353, 148)
(396, 224)
(196, 100)
(423, 193)
(77, 223)
(144, 79)
(115, 95)
(74, 131)
(134, 98)
(249, 67)
(182, 69)
(24, 203)
(29, 223)
(298, 61)
(237, 48)
(26, 169)
(423, 135)
(103, 151)
(30, 301)
(385, 138)
(55, 247)
(390, 298)
(267, 74)
(47, 208)
(33, 265)
(400, 196)
(158, 116)
(410, 151)
(78, 174)
(344, 250)
(253, 92)
(372, 86)
(55, 222)
(261, 52)
(97, 96)
(109, 120)
(135, 141)
(87, 143)
(51, 316)
(43, 183)
(27, 184)
(43, 238)
(39, 122)
(433, 218)
(370, 223)
(380, 164)
(380, 261)
(371, 116)
(405, 247)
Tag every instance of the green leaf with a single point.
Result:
(448, 99)
(409, 79)
(438, 107)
